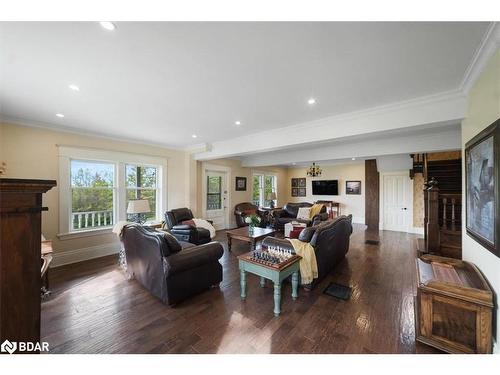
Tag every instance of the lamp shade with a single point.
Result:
(138, 206)
(271, 196)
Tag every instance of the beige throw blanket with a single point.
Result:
(315, 209)
(308, 265)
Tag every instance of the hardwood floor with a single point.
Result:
(94, 309)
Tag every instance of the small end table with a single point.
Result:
(275, 273)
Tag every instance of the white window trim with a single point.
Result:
(275, 187)
(119, 159)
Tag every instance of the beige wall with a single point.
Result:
(33, 153)
(483, 109)
(350, 204)
(237, 170)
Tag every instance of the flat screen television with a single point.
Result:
(325, 187)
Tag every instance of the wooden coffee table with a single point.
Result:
(244, 234)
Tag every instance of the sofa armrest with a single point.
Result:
(279, 213)
(193, 257)
(278, 242)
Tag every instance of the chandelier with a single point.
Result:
(314, 171)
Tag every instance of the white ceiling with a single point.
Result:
(161, 82)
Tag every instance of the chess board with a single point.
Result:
(270, 259)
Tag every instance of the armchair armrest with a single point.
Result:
(193, 257)
(182, 227)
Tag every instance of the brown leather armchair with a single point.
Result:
(185, 232)
(330, 240)
(242, 210)
(171, 270)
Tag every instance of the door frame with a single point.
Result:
(215, 168)
(409, 228)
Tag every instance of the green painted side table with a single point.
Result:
(275, 273)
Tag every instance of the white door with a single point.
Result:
(397, 201)
(216, 198)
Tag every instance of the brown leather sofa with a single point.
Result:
(185, 232)
(242, 210)
(169, 269)
(289, 214)
(330, 240)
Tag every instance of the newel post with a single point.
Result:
(433, 216)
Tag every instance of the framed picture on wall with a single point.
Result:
(482, 190)
(241, 184)
(295, 192)
(302, 182)
(302, 192)
(353, 187)
(295, 182)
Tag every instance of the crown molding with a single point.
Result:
(59, 128)
(487, 48)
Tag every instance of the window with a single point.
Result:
(263, 186)
(96, 186)
(92, 194)
(141, 184)
(214, 192)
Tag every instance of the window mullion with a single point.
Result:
(120, 200)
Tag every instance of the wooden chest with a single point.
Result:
(454, 306)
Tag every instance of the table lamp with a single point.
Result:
(138, 207)
(271, 197)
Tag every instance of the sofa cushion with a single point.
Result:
(303, 213)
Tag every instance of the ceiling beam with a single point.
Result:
(444, 107)
(446, 138)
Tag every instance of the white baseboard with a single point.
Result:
(86, 253)
(417, 230)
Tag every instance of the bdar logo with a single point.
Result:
(9, 347)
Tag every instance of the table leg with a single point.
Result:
(295, 284)
(262, 282)
(229, 243)
(277, 298)
(243, 284)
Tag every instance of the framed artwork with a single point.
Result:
(353, 187)
(295, 182)
(241, 184)
(302, 182)
(482, 190)
(295, 192)
(302, 191)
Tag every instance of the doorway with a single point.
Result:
(397, 202)
(216, 198)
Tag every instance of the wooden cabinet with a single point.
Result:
(454, 306)
(20, 258)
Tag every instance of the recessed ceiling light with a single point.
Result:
(237, 123)
(108, 25)
(60, 115)
(311, 101)
(194, 136)
(353, 159)
(74, 87)
(294, 163)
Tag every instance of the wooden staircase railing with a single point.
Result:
(443, 233)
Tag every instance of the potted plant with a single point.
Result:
(252, 221)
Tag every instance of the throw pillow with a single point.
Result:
(303, 213)
(172, 244)
(189, 222)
